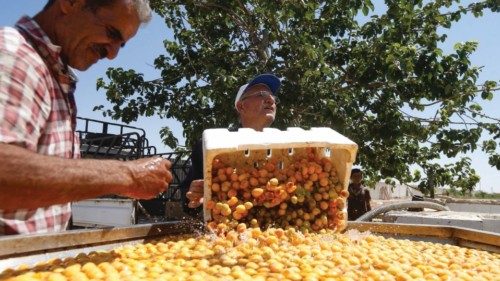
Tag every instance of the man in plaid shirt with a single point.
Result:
(40, 172)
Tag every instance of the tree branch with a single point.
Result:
(482, 115)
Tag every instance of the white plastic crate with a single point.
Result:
(246, 147)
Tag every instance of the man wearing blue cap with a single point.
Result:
(256, 106)
(256, 102)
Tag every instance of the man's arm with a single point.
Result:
(197, 160)
(368, 199)
(30, 180)
(195, 192)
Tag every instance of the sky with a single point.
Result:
(140, 52)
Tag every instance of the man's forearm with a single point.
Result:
(30, 180)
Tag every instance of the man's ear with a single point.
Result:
(67, 6)
(239, 106)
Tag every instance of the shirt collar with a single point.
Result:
(48, 50)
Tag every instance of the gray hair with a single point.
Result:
(143, 10)
(141, 6)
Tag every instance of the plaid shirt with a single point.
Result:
(37, 112)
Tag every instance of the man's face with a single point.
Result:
(356, 177)
(87, 36)
(258, 106)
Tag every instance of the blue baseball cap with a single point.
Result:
(270, 80)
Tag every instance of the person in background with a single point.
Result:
(359, 198)
(40, 173)
(255, 103)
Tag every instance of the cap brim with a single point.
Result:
(269, 80)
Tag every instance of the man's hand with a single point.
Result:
(195, 194)
(150, 176)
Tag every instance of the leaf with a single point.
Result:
(365, 10)
(487, 95)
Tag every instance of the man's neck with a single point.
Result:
(44, 20)
(356, 185)
(257, 127)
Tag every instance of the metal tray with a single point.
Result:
(32, 249)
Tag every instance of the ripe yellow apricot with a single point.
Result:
(257, 192)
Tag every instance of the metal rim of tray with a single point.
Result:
(460, 236)
(17, 245)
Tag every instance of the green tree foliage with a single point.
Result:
(377, 77)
